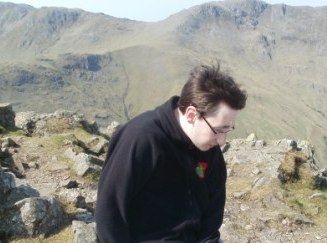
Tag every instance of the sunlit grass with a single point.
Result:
(298, 193)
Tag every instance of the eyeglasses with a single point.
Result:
(218, 130)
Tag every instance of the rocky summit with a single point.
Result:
(50, 164)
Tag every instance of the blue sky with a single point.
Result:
(144, 10)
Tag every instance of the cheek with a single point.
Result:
(206, 138)
(221, 139)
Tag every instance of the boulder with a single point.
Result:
(26, 121)
(7, 182)
(84, 233)
(32, 217)
(8, 143)
(7, 116)
(97, 145)
(86, 164)
(251, 137)
(113, 127)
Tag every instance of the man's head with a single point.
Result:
(207, 86)
(209, 103)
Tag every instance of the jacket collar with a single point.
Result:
(171, 125)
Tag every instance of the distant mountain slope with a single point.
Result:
(112, 69)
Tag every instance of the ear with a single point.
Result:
(191, 113)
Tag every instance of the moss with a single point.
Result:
(2, 130)
(17, 132)
(58, 140)
(55, 125)
(92, 176)
(295, 168)
(82, 134)
(238, 184)
(298, 186)
(298, 198)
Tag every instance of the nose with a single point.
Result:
(221, 139)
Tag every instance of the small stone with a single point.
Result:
(285, 222)
(265, 219)
(260, 143)
(8, 142)
(248, 227)
(239, 194)
(317, 195)
(230, 172)
(251, 137)
(301, 219)
(244, 207)
(323, 171)
(256, 171)
(33, 165)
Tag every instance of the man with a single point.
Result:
(164, 176)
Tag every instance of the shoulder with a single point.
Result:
(142, 132)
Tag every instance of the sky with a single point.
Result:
(143, 10)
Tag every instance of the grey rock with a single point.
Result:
(7, 116)
(32, 217)
(70, 154)
(301, 219)
(85, 164)
(20, 192)
(7, 182)
(17, 163)
(26, 121)
(241, 194)
(83, 232)
(83, 215)
(8, 143)
(112, 128)
(97, 145)
(69, 195)
(251, 138)
(288, 144)
(317, 195)
(259, 182)
(259, 144)
(320, 181)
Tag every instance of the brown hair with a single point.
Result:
(207, 86)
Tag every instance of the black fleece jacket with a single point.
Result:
(157, 186)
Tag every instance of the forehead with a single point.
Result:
(223, 113)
